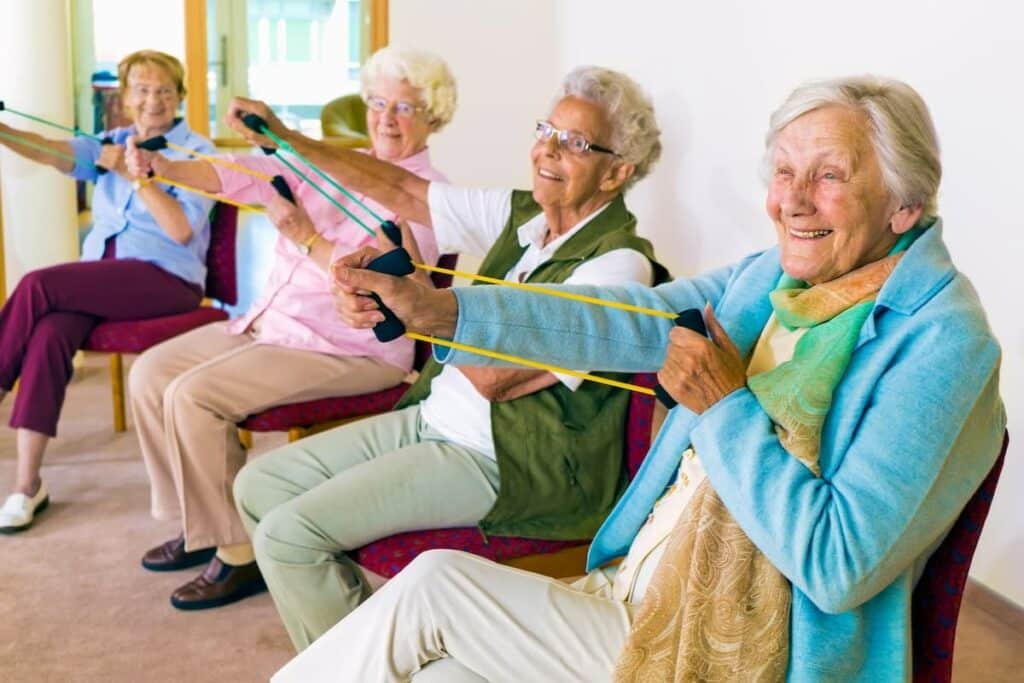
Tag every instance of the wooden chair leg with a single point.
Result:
(117, 388)
(245, 438)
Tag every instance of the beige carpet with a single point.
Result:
(76, 605)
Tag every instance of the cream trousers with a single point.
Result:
(187, 395)
(455, 617)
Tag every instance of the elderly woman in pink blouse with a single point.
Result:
(188, 393)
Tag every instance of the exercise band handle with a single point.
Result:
(256, 124)
(100, 170)
(281, 185)
(153, 144)
(691, 319)
(398, 263)
(393, 233)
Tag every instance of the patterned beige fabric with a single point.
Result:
(716, 609)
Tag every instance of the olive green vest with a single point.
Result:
(559, 452)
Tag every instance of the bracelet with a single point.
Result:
(311, 240)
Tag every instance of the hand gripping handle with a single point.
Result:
(100, 170)
(396, 262)
(691, 319)
(256, 124)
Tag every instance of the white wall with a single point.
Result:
(716, 71)
(503, 55)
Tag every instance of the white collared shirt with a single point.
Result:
(469, 221)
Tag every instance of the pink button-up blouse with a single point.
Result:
(296, 307)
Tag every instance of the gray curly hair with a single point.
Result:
(900, 127)
(635, 133)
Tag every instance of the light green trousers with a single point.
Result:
(306, 504)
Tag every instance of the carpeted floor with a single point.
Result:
(76, 605)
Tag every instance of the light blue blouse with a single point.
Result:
(117, 210)
(915, 426)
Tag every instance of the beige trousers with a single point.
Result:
(455, 617)
(187, 395)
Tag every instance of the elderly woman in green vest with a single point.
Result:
(516, 452)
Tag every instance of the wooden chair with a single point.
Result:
(936, 603)
(118, 337)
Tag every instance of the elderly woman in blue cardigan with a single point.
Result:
(829, 430)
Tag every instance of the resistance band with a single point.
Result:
(61, 155)
(77, 132)
(399, 263)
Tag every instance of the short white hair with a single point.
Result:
(899, 125)
(635, 134)
(423, 70)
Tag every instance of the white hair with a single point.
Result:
(900, 129)
(423, 70)
(635, 133)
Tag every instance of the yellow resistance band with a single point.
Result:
(221, 161)
(168, 181)
(530, 363)
(550, 292)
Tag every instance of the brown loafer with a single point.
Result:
(219, 584)
(171, 555)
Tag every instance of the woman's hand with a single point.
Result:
(239, 107)
(112, 159)
(699, 372)
(291, 220)
(422, 308)
(139, 162)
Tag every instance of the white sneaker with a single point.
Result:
(19, 510)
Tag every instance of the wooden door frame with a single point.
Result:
(197, 103)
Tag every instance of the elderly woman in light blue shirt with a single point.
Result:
(844, 409)
(144, 257)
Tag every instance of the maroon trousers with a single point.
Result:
(51, 313)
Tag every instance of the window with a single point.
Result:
(296, 55)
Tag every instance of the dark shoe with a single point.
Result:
(219, 584)
(171, 555)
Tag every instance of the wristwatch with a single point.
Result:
(306, 245)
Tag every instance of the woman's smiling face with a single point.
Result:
(827, 198)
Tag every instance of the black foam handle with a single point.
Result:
(396, 262)
(100, 170)
(153, 144)
(281, 185)
(691, 319)
(393, 232)
(1, 105)
(256, 124)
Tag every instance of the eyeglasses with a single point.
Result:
(572, 141)
(144, 91)
(403, 109)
